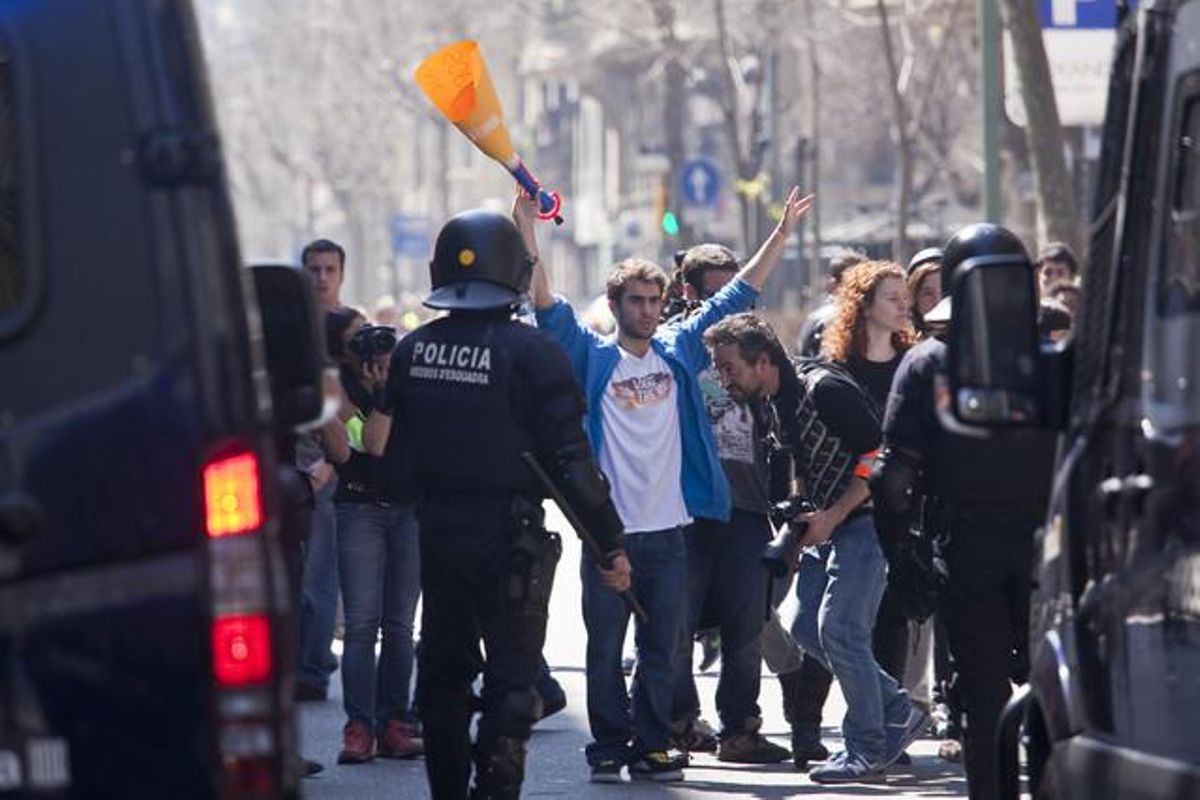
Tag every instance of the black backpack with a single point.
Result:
(813, 370)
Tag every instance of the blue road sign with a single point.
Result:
(410, 236)
(1093, 14)
(700, 182)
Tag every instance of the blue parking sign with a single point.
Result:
(1093, 14)
(700, 182)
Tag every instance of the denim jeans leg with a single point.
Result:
(659, 562)
(402, 587)
(739, 593)
(856, 571)
(362, 557)
(319, 593)
(606, 620)
(701, 541)
(810, 591)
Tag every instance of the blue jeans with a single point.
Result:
(379, 561)
(726, 577)
(839, 588)
(319, 593)
(659, 563)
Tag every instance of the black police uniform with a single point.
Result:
(984, 499)
(469, 393)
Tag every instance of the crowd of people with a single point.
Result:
(710, 439)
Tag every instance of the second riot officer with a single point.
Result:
(469, 394)
(984, 497)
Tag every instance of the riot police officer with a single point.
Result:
(984, 499)
(469, 394)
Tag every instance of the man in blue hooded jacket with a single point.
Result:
(647, 421)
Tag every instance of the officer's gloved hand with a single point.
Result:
(618, 577)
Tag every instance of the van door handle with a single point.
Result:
(20, 518)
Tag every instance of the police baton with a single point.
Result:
(593, 547)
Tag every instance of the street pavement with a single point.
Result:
(556, 765)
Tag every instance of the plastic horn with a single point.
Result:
(456, 81)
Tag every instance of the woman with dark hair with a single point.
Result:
(869, 334)
(924, 292)
(379, 566)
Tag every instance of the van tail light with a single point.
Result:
(232, 495)
(241, 648)
(245, 664)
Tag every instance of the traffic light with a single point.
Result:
(670, 224)
(667, 221)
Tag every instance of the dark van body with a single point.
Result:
(1114, 700)
(143, 595)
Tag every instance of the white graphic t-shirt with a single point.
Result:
(642, 453)
(738, 444)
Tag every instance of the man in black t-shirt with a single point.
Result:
(829, 426)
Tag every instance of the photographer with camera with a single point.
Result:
(378, 557)
(829, 424)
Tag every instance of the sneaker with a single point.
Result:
(358, 745)
(309, 768)
(694, 736)
(751, 747)
(846, 768)
(659, 766)
(607, 770)
(901, 735)
(399, 740)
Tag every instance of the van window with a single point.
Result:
(1179, 292)
(12, 270)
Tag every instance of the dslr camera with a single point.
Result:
(371, 341)
(776, 555)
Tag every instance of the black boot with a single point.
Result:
(499, 770)
(804, 693)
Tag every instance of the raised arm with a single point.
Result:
(525, 216)
(763, 263)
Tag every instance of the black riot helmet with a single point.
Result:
(479, 263)
(980, 239)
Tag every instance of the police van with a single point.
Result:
(145, 376)
(1112, 707)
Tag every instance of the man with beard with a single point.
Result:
(828, 423)
(648, 424)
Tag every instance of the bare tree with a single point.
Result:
(902, 134)
(814, 147)
(1058, 217)
(745, 134)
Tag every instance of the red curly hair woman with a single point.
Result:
(872, 327)
(871, 332)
